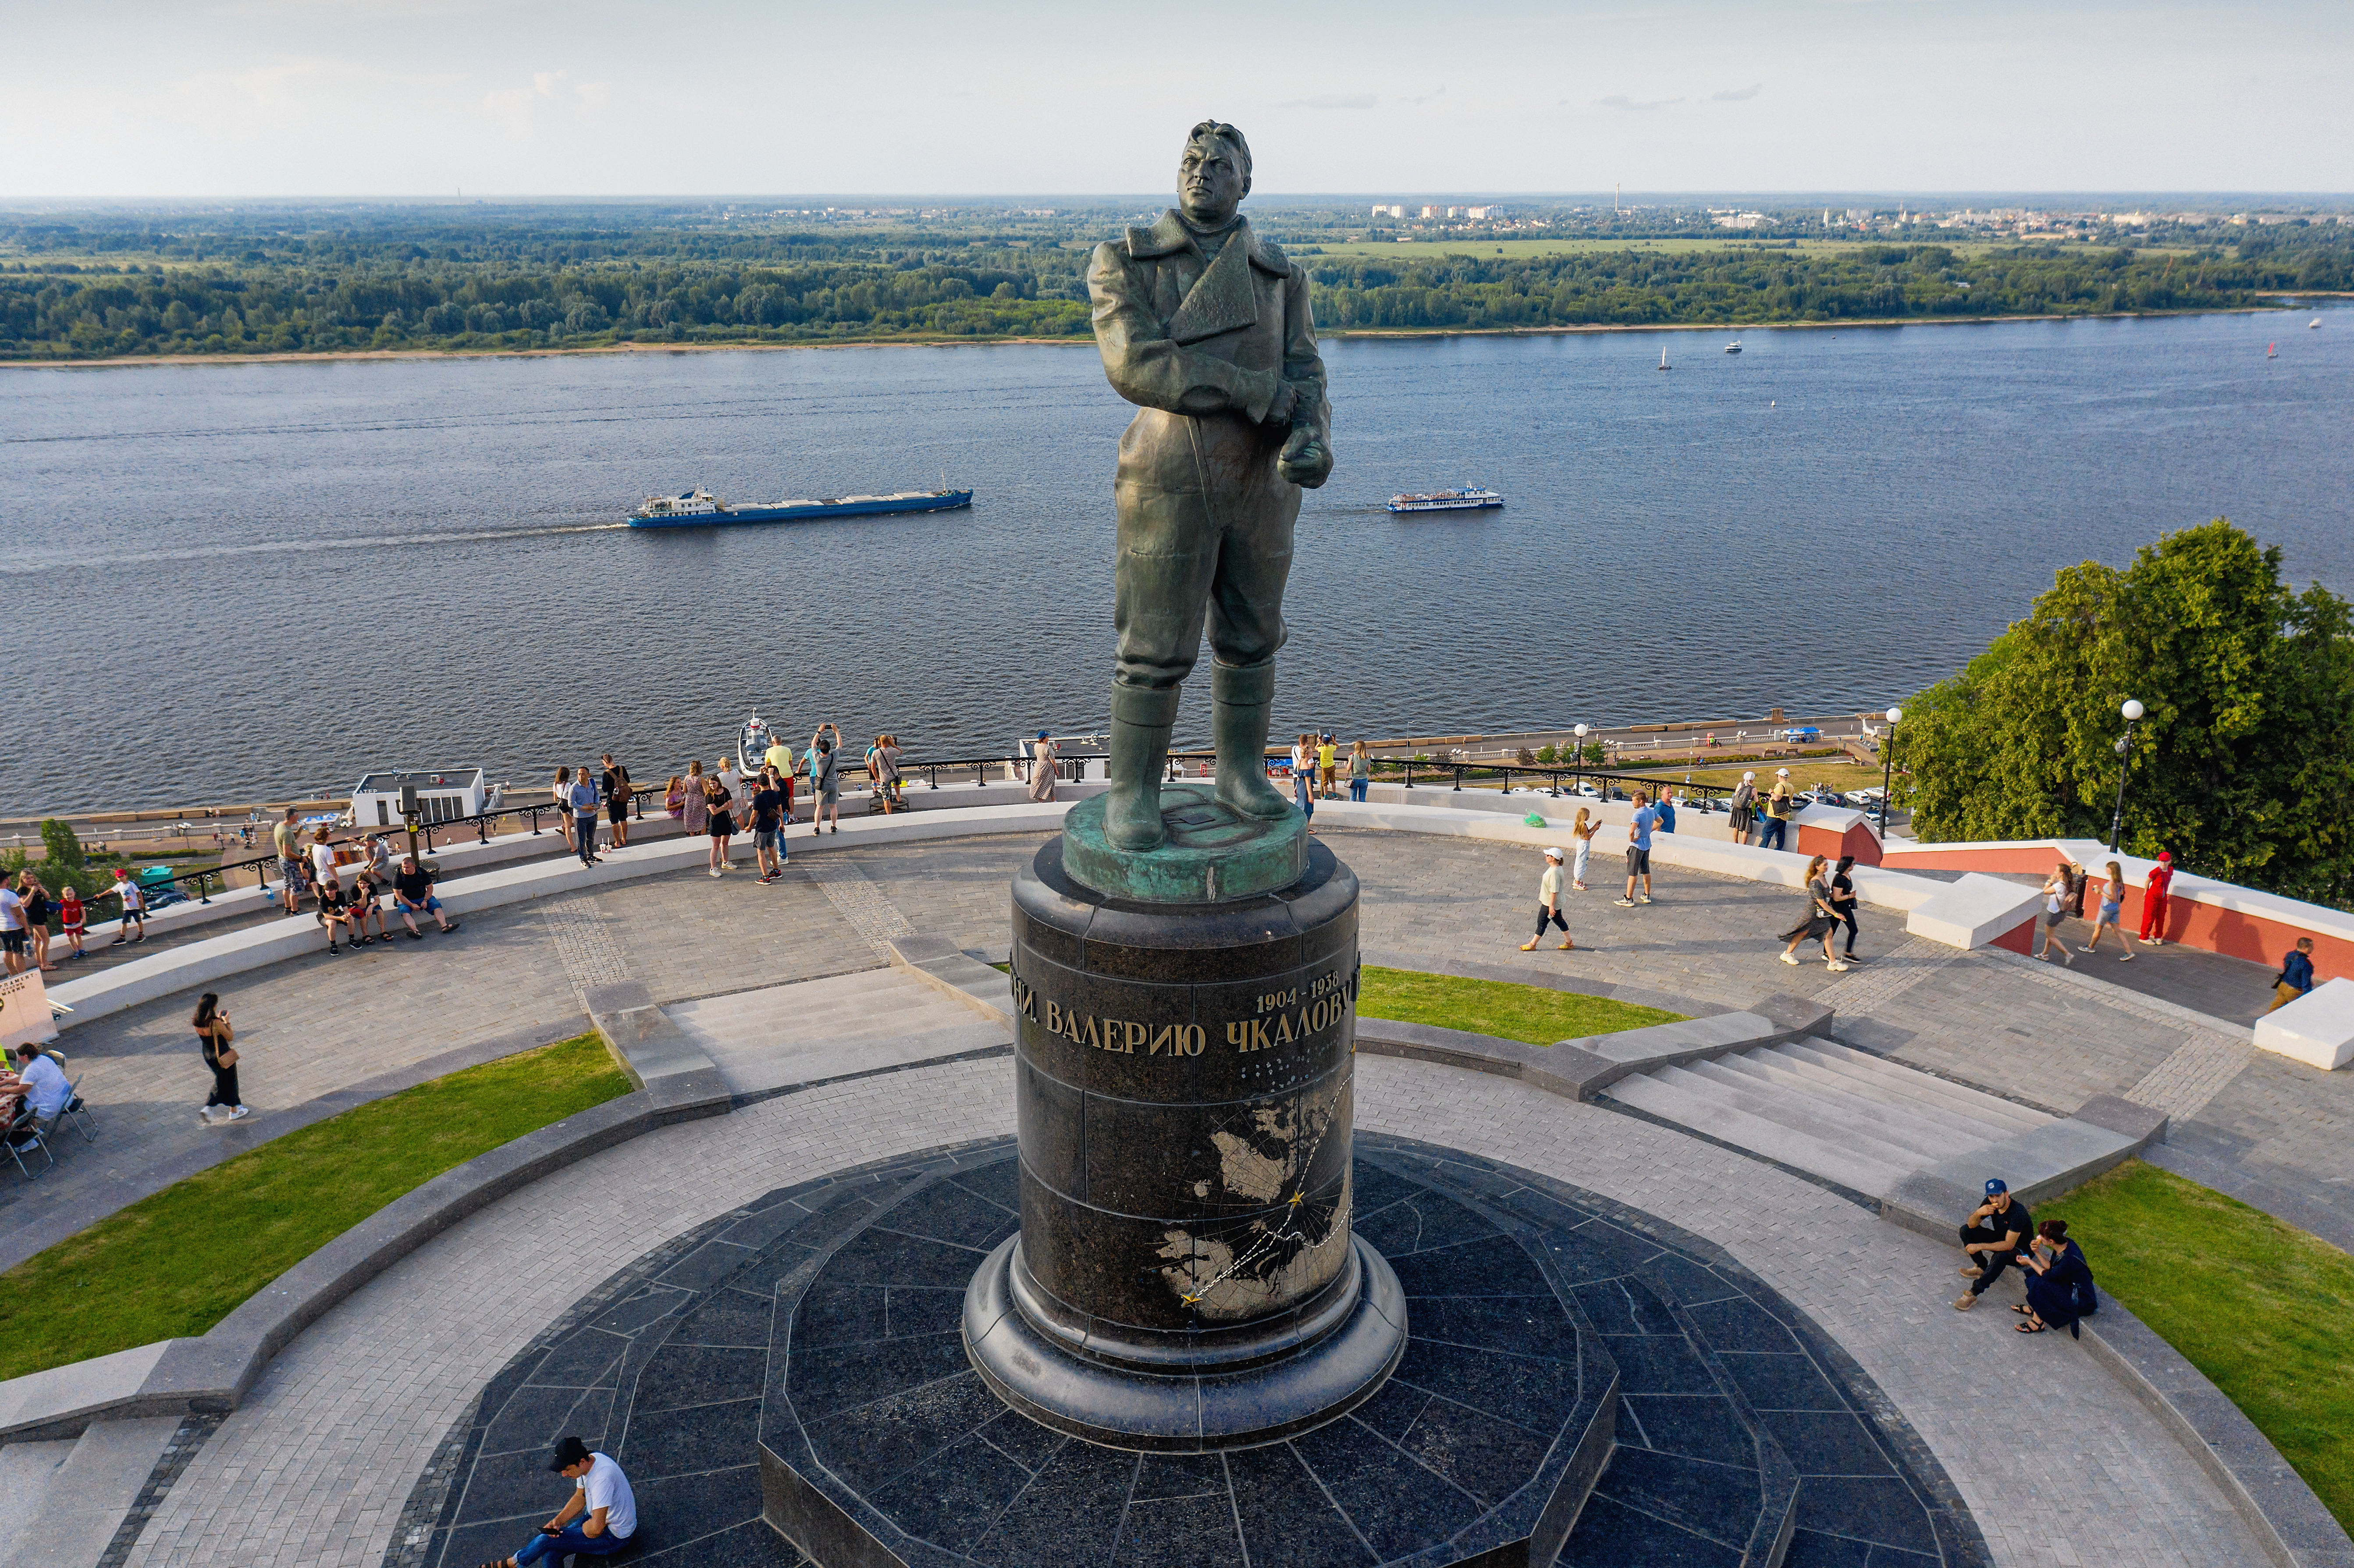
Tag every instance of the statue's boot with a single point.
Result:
(1241, 701)
(1142, 719)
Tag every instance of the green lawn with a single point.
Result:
(1536, 1014)
(2263, 1309)
(178, 1261)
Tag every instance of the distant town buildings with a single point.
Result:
(1440, 214)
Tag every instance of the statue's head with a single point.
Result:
(1214, 174)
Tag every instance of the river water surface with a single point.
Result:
(237, 580)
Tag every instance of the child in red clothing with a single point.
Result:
(71, 916)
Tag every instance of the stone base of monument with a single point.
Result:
(1185, 1279)
(793, 1367)
(882, 1447)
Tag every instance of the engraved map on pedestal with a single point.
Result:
(1234, 1271)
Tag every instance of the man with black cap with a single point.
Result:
(1994, 1232)
(600, 1490)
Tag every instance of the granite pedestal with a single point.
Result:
(1185, 1278)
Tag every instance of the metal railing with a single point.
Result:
(1412, 772)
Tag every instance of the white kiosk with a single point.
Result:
(440, 796)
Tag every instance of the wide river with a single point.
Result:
(230, 581)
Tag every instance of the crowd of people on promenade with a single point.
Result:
(311, 866)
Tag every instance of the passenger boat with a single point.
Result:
(1732, 347)
(1466, 498)
(699, 508)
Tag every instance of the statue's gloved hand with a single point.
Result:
(1306, 462)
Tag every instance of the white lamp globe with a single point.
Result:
(1895, 716)
(2133, 711)
(1579, 730)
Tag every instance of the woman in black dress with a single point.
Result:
(1844, 901)
(215, 1038)
(722, 826)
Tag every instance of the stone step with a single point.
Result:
(1983, 1109)
(1673, 1094)
(1806, 1101)
(869, 1003)
(1801, 1113)
(766, 1040)
(84, 1492)
(1904, 1107)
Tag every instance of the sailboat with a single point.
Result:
(2272, 351)
(1663, 358)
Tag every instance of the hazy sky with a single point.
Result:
(592, 97)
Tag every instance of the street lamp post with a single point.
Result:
(1888, 768)
(2132, 711)
(1580, 732)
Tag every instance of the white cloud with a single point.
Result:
(1620, 101)
(1737, 94)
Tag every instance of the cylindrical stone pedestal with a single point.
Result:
(1185, 1276)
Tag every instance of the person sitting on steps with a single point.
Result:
(412, 893)
(1991, 1238)
(602, 1498)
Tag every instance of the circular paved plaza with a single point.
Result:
(354, 1446)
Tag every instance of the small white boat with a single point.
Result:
(1663, 358)
(752, 743)
(2272, 351)
(2315, 322)
(1732, 347)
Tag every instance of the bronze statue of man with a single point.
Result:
(1205, 327)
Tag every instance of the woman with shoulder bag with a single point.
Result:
(216, 1035)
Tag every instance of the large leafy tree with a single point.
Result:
(2244, 764)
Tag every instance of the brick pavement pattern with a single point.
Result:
(304, 1028)
(313, 1469)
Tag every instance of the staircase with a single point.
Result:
(62, 1502)
(1837, 1113)
(780, 1036)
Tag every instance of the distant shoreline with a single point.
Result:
(752, 345)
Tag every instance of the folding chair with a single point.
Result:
(84, 1123)
(23, 1133)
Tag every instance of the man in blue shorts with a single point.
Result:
(1638, 849)
(413, 892)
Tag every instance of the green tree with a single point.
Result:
(59, 845)
(2244, 766)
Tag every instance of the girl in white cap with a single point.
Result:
(1549, 905)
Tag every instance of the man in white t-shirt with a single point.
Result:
(602, 1499)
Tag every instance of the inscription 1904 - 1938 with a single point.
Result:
(1278, 1018)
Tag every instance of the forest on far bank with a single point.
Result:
(433, 281)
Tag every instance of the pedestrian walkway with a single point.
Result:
(2278, 1134)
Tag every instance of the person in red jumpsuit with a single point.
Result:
(2154, 899)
